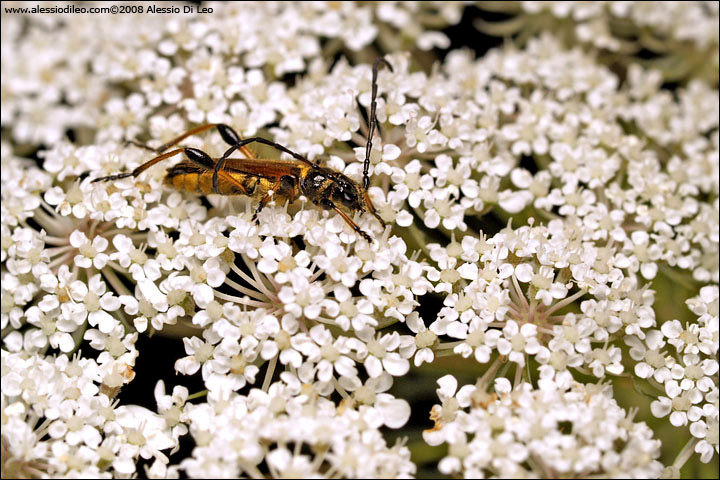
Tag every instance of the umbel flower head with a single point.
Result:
(550, 240)
(569, 429)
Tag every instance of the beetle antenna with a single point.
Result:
(373, 119)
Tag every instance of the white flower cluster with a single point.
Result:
(80, 62)
(683, 36)
(59, 419)
(533, 192)
(291, 431)
(568, 430)
(682, 361)
(502, 295)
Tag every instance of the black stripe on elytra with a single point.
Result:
(184, 168)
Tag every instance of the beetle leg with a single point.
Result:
(286, 181)
(142, 167)
(226, 132)
(371, 209)
(330, 205)
(196, 156)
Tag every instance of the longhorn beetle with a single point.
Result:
(266, 179)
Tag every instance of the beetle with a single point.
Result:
(266, 179)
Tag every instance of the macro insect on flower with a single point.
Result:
(266, 179)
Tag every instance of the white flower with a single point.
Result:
(171, 408)
(607, 359)
(424, 340)
(651, 360)
(518, 341)
(301, 297)
(89, 253)
(547, 290)
(140, 266)
(146, 435)
(379, 355)
(341, 267)
(329, 354)
(708, 433)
